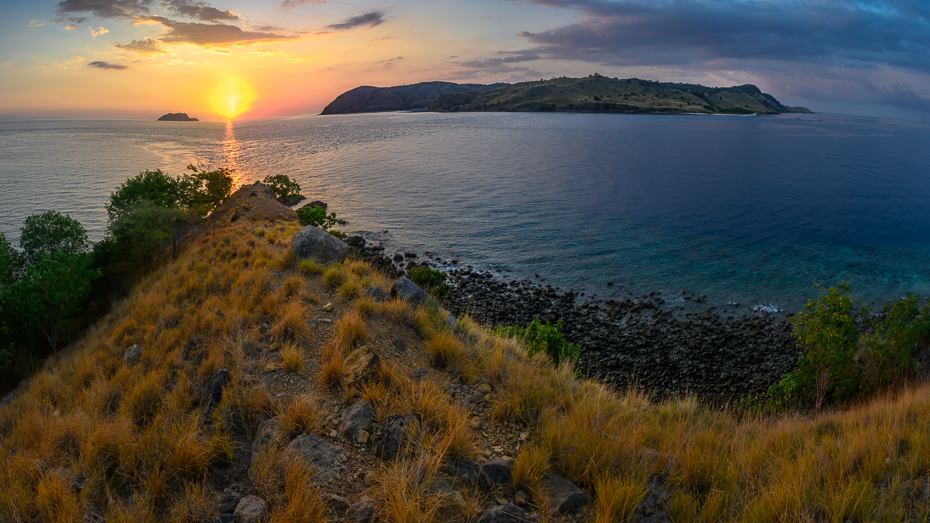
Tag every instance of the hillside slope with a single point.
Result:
(239, 379)
(368, 99)
(598, 93)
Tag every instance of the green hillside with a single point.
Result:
(598, 93)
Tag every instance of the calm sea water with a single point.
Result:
(750, 209)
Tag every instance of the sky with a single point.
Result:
(252, 59)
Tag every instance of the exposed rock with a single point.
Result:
(565, 496)
(507, 513)
(498, 471)
(228, 502)
(464, 470)
(214, 392)
(132, 354)
(362, 363)
(356, 418)
(376, 293)
(92, 515)
(267, 434)
(328, 307)
(356, 241)
(321, 457)
(410, 292)
(250, 509)
(400, 344)
(339, 504)
(315, 243)
(393, 435)
(77, 484)
(362, 511)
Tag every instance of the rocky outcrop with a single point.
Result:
(317, 244)
(177, 117)
(356, 420)
(321, 457)
(410, 292)
(366, 99)
(132, 354)
(393, 435)
(251, 509)
(564, 496)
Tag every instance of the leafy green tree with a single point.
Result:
(151, 186)
(284, 188)
(50, 292)
(203, 191)
(8, 262)
(49, 233)
(317, 217)
(543, 337)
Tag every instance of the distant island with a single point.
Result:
(421, 96)
(595, 93)
(177, 117)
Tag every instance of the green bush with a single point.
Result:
(432, 280)
(49, 233)
(151, 186)
(284, 188)
(203, 191)
(543, 337)
(316, 216)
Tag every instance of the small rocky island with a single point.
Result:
(177, 117)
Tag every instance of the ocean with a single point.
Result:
(746, 209)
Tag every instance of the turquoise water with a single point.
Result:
(748, 209)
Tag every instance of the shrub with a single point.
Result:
(49, 233)
(284, 188)
(543, 337)
(202, 191)
(151, 186)
(434, 281)
(316, 216)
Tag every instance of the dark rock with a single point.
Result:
(313, 242)
(508, 513)
(322, 458)
(464, 470)
(400, 344)
(393, 435)
(250, 509)
(316, 203)
(376, 293)
(267, 434)
(410, 292)
(362, 511)
(356, 418)
(77, 484)
(356, 241)
(214, 392)
(398, 257)
(565, 496)
(339, 504)
(419, 374)
(498, 471)
(92, 515)
(228, 502)
(410, 255)
(293, 200)
(132, 354)
(176, 117)
(361, 364)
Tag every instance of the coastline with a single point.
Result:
(652, 342)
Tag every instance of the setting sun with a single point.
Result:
(232, 98)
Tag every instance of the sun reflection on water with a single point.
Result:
(231, 154)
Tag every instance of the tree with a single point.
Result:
(317, 217)
(49, 233)
(284, 188)
(147, 227)
(49, 294)
(8, 262)
(151, 186)
(203, 191)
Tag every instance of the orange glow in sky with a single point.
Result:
(232, 98)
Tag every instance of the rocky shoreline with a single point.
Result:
(646, 341)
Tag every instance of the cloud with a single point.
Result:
(368, 19)
(200, 11)
(98, 32)
(105, 65)
(762, 39)
(36, 23)
(146, 46)
(290, 4)
(210, 35)
(270, 52)
(105, 8)
(76, 59)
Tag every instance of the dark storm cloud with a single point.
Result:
(495, 63)
(368, 19)
(210, 35)
(105, 65)
(143, 46)
(676, 32)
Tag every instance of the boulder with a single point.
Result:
(356, 419)
(375, 293)
(214, 392)
(362, 364)
(313, 242)
(356, 241)
(132, 354)
(250, 509)
(267, 434)
(565, 497)
(336, 502)
(410, 292)
(508, 513)
(362, 511)
(322, 458)
(228, 502)
(393, 435)
(498, 471)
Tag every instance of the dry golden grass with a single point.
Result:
(300, 415)
(300, 501)
(334, 275)
(404, 487)
(350, 329)
(366, 306)
(310, 268)
(334, 365)
(349, 289)
(292, 358)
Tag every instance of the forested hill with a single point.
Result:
(368, 99)
(598, 93)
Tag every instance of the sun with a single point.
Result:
(232, 98)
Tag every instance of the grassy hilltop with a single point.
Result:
(598, 93)
(128, 436)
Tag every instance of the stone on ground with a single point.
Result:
(315, 243)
